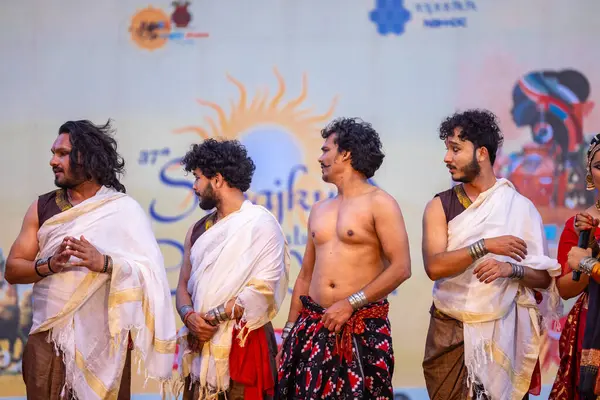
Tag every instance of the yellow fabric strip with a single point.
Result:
(93, 381)
(125, 296)
(462, 196)
(74, 302)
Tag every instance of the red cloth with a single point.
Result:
(568, 240)
(249, 365)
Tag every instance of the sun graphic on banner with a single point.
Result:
(282, 137)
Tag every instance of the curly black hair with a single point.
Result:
(228, 158)
(479, 127)
(94, 152)
(359, 139)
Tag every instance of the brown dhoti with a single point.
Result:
(236, 389)
(44, 371)
(444, 362)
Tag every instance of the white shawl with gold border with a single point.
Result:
(501, 320)
(90, 315)
(244, 256)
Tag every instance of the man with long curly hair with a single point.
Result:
(232, 282)
(484, 247)
(337, 341)
(100, 286)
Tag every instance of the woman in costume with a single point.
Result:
(578, 340)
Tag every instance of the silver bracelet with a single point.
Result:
(477, 250)
(287, 329)
(222, 314)
(358, 300)
(586, 265)
(183, 310)
(518, 271)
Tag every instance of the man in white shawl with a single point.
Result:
(484, 246)
(100, 287)
(233, 280)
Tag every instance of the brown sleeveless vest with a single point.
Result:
(52, 203)
(202, 226)
(454, 201)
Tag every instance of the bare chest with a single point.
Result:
(350, 223)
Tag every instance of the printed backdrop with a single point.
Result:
(271, 74)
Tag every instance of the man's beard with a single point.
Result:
(469, 172)
(67, 181)
(208, 200)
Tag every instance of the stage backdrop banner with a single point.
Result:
(271, 74)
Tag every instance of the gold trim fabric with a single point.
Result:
(245, 257)
(462, 196)
(90, 315)
(501, 320)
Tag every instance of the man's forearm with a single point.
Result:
(20, 271)
(232, 307)
(386, 282)
(448, 263)
(182, 298)
(301, 288)
(536, 279)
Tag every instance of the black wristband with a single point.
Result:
(37, 265)
(49, 267)
(105, 264)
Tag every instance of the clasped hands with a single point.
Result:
(202, 328)
(81, 248)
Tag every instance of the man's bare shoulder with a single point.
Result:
(190, 230)
(319, 205)
(434, 212)
(381, 198)
(31, 216)
(434, 205)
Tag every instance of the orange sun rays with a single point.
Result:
(245, 113)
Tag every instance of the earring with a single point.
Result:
(589, 182)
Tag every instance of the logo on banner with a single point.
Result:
(282, 137)
(391, 16)
(152, 28)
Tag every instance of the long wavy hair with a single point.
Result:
(94, 152)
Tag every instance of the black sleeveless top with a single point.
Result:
(51, 204)
(454, 201)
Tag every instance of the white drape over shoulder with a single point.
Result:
(243, 256)
(501, 320)
(89, 314)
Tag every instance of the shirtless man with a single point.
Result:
(356, 254)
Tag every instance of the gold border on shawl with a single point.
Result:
(186, 363)
(125, 296)
(73, 303)
(520, 380)
(161, 346)
(462, 196)
(93, 381)
(266, 290)
(120, 297)
(474, 318)
(81, 209)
